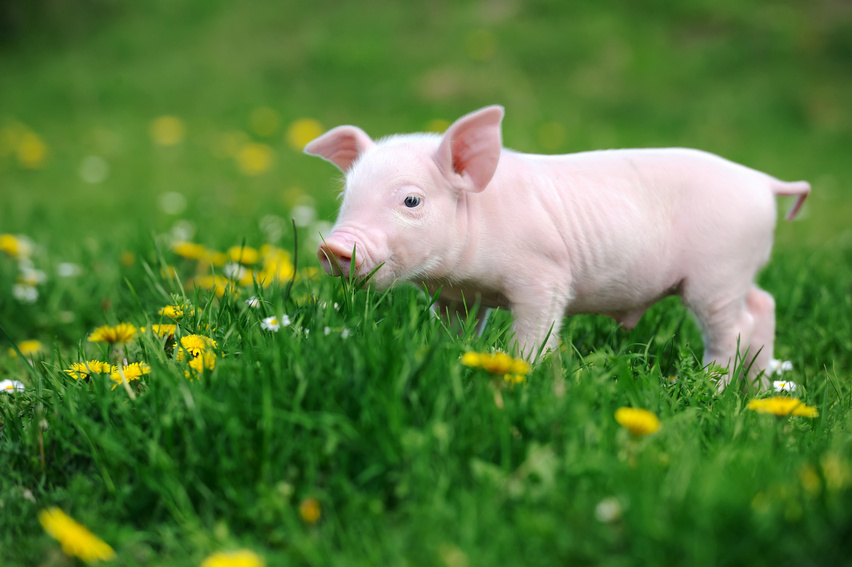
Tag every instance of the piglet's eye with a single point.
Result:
(412, 201)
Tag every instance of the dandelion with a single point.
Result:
(25, 293)
(782, 406)
(310, 511)
(190, 250)
(31, 150)
(239, 558)
(76, 540)
(270, 324)
(639, 422)
(27, 348)
(496, 363)
(16, 246)
(194, 345)
(784, 386)
(198, 350)
(303, 131)
(219, 284)
(515, 378)
(171, 311)
(161, 330)
(121, 333)
(167, 130)
(82, 370)
(243, 255)
(130, 372)
(276, 265)
(11, 386)
(255, 158)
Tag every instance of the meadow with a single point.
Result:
(181, 379)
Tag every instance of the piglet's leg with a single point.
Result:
(535, 319)
(724, 327)
(761, 307)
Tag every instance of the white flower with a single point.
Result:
(784, 386)
(234, 271)
(344, 334)
(778, 367)
(285, 321)
(608, 510)
(25, 293)
(270, 324)
(253, 302)
(11, 386)
(326, 330)
(68, 270)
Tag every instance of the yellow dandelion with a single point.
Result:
(194, 345)
(239, 558)
(303, 131)
(27, 348)
(15, 246)
(243, 255)
(310, 511)
(836, 471)
(638, 421)
(31, 150)
(167, 130)
(190, 250)
(161, 330)
(219, 284)
(255, 158)
(782, 406)
(121, 333)
(172, 311)
(82, 370)
(515, 378)
(205, 360)
(76, 540)
(496, 363)
(130, 372)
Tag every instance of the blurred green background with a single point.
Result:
(242, 84)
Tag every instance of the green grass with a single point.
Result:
(361, 402)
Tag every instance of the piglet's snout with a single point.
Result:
(336, 256)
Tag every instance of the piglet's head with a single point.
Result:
(404, 208)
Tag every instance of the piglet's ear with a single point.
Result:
(470, 149)
(341, 146)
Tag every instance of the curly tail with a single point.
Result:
(790, 189)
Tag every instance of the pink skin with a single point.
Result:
(607, 232)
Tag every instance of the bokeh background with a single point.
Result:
(125, 119)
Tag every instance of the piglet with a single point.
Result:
(609, 232)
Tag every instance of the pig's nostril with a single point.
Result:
(334, 262)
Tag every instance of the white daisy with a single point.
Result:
(784, 386)
(779, 367)
(608, 510)
(25, 293)
(270, 324)
(11, 386)
(253, 302)
(285, 321)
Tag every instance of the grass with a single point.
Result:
(361, 402)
